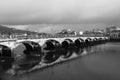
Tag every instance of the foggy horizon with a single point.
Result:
(59, 11)
(104, 13)
(55, 28)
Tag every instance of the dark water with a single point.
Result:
(101, 62)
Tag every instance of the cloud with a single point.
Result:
(59, 11)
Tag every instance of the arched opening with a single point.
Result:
(88, 42)
(100, 40)
(95, 41)
(27, 54)
(67, 43)
(6, 58)
(5, 51)
(28, 48)
(80, 43)
(106, 39)
(51, 44)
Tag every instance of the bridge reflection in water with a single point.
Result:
(100, 62)
(50, 58)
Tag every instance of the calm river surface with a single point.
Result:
(102, 62)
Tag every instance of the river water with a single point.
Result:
(101, 62)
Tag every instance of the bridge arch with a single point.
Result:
(51, 44)
(50, 50)
(5, 51)
(100, 40)
(95, 39)
(67, 43)
(79, 42)
(88, 42)
(31, 48)
(105, 39)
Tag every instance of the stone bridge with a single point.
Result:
(8, 46)
(44, 52)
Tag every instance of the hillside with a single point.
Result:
(6, 30)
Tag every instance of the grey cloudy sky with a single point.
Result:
(59, 11)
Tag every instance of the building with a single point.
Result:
(114, 33)
(68, 32)
(110, 29)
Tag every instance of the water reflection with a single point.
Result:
(5, 65)
(48, 57)
(66, 53)
(51, 56)
(26, 63)
(88, 49)
(79, 51)
(80, 67)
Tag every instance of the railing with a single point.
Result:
(7, 40)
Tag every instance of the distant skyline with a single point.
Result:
(87, 12)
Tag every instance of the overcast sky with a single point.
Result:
(59, 11)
